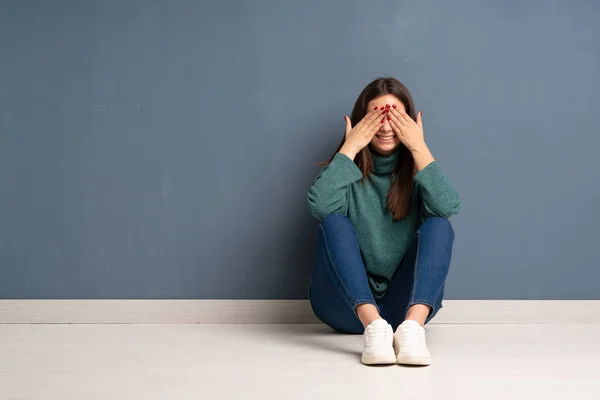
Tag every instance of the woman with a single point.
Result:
(385, 241)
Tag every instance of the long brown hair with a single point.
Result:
(399, 195)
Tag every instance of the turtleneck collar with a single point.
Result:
(384, 164)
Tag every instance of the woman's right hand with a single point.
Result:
(360, 136)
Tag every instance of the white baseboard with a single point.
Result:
(279, 312)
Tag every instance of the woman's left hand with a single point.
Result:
(408, 131)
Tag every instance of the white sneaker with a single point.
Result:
(409, 343)
(379, 343)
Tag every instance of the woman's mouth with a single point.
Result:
(385, 138)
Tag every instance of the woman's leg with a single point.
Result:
(416, 292)
(417, 289)
(339, 292)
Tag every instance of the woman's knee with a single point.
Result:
(336, 316)
(335, 220)
(439, 226)
(337, 225)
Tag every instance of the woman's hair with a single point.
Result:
(399, 195)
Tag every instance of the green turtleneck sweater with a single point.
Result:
(383, 242)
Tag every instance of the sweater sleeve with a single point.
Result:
(329, 193)
(439, 197)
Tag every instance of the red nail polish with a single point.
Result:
(388, 118)
(382, 119)
(421, 112)
(383, 113)
(387, 106)
(394, 106)
(375, 108)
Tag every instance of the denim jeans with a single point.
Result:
(339, 280)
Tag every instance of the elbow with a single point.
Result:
(444, 209)
(450, 210)
(316, 207)
(442, 213)
(451, 206)
(316, 211)
(319, 208)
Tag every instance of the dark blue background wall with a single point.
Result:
(163, 149)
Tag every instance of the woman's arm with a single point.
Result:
(440, 199)
(422, 157)
(329, 193)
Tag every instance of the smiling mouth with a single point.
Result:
(385, 138)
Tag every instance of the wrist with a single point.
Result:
(422, 157)
(348, 151)
(418, 148)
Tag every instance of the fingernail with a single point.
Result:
(394, 106)
(387, 106)
(383, 113)
(421, 112)
(382, 119)
(388, 118)
(345, 117)
(375, 108)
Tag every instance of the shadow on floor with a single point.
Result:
(320, 337)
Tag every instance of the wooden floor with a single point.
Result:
(208, 362)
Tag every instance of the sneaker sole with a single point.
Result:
(379, 360)
(414, 360)
(408, 359)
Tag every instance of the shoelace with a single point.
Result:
(411, 336)
(377, 335)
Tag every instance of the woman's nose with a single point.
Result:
(386, 126)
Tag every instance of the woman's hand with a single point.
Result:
(411, 135)
(408, 131)
(360, 136)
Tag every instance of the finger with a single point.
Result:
(371, 120)
(397, 120)
(420, 119)
(402, 117)
(348, 124)
(374, 116)
(366, 119)
(408, 119)
(397, 128)
(400, 126)
(375, 124)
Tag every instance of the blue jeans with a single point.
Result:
(339, 280)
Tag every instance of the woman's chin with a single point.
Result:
(384, 148)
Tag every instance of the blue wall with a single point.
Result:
(163, 149)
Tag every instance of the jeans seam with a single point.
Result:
(413, 300)
(334, 266)
(358, 302)
(421, 301)
(412, 294)
(438, 293)
(354, 302)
